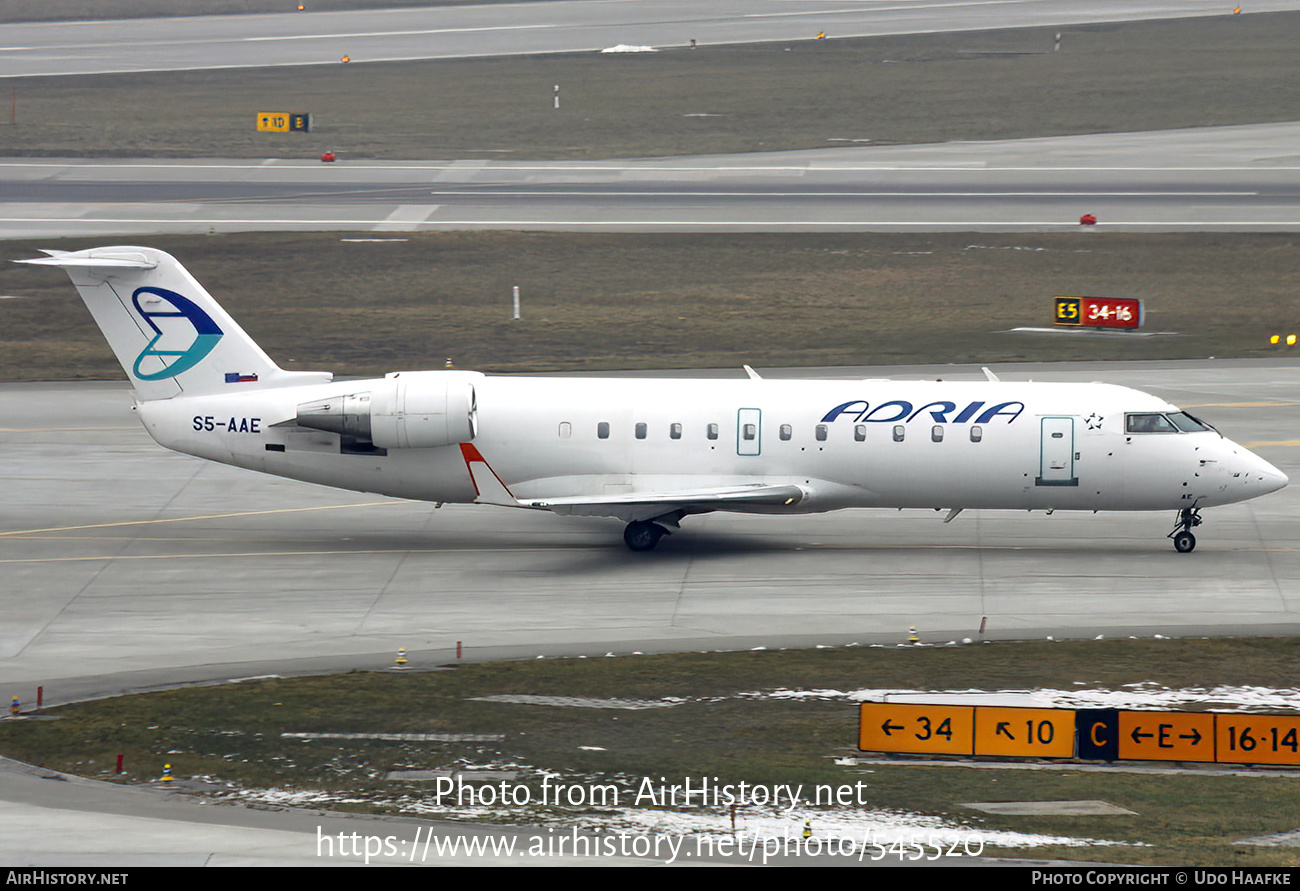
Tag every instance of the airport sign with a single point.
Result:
(283, 122)
(1098, 312)
(916, 729)
(1166, 736)
(1100, 734)
(1025, 732)
(1257, 739)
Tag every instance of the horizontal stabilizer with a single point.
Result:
(66, 259)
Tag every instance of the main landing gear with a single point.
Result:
(643, 535)
(1188, 519)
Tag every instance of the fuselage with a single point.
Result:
(873, 443)
(647, 451)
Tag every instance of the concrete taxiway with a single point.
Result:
(316, 38)
(1211, 178)
(130, 567)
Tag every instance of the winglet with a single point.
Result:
(753, 375)
(490, 488)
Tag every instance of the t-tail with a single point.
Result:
(168, 333)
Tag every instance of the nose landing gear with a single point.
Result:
(1188, 519)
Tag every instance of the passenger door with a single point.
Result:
(1056, 453)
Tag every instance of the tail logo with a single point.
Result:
(183, 334)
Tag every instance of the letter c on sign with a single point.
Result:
(1095, 727)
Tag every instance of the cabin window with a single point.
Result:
(936, 433)
(1148, 422)
(675, 431)
(786, 432)
(566, 430)
(749, 432)
(821, 432)
(602, 430)
(860, 432)
(712, 431)
(976, 433)
(899, 432)
(640, 431)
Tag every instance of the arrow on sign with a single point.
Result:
(1003, 731)
(888, 728)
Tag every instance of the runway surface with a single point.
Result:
(316, 38)
(1241, 178)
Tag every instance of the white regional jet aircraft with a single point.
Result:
(649, 452)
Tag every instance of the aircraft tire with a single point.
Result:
(1184, 542)
(642, 535)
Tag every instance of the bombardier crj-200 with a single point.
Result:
(649, 452)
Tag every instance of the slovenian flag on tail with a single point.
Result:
(234, 377)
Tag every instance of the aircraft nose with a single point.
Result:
(1238, 474)
(1272, 480)
(1261, 476)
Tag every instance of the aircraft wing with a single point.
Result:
(718, 498)
(634, 505)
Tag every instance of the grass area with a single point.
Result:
(231, 734)
(599, 302)
(792, 95)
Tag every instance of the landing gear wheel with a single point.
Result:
(642, 535)
(1188, 519)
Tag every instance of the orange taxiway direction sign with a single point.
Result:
(918, 729)
(1166, 736)
(1024, 732)
(1257, 739)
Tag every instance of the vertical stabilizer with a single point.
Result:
(167, 332)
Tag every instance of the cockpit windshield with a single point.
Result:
(1159, 422)
(1187, 423)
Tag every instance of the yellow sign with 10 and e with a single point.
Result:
(283, 122)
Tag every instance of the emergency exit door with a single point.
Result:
(749, 431)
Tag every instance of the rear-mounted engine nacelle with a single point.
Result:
(406, 410)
